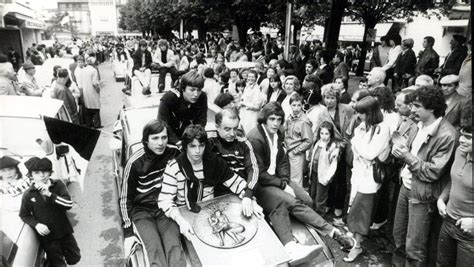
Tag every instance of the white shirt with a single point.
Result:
(392, 57)
(420, 138)
(273, 151)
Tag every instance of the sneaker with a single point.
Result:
(126, 91)
(376, 226)
(300, 254)
(344, 240)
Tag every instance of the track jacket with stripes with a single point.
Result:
(50, 211)
(240, 158)
(141, 185)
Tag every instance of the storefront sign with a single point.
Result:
(32, 24)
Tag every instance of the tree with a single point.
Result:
(370, 13)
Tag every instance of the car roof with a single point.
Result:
(28, 106)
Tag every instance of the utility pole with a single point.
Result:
(289, 7)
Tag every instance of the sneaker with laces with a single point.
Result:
(301, 253)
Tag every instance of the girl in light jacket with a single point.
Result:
(370, 141)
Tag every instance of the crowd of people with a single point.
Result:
(294, 140)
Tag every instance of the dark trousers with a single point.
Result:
(160, 236)
(60, 252)
(92, 118)
(338, 186)
(455, 248)
(161, 80)
(386, 201)
(269, 197)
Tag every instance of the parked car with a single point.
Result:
(129, 128)
(23, 135)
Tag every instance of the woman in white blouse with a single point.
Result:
(291, 84)
(370, 141)
(252, 101)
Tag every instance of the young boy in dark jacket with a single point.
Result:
(43, 207)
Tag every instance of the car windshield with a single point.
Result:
(24, 137)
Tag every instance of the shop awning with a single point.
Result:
(454, 23)
(355, 32)
(29, 22)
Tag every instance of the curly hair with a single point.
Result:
(331, 89)
(431, 98)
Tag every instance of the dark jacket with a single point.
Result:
(239, 156)
(261, 147)
(280, 97)
(342, 71)
(427, 63)
(452, 63)
(137, 60)
(406, 63)
(453, 110)
(50, 211)
(430, 167)
(326, 74)
(141, 185)
(178, 113)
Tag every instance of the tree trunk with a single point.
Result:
(364, 47)
(242, 29)
(331, 34)
(202, 31)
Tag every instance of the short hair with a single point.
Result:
(191, 78)
(296, 97)
(62, 73)
(379, 73)
(163, 42)
(209, 73)
(231, 113)
(408, 42)
(282, 63)
(253, 72)
(369, 106)
(459, 39)
(55, 70)
(240, 83)
(90, 60)
(430, 40)
(193, 131)
(296, 82)
(339, 55)
(314, 78)
(312, 62)
(272, 108)
(223, 99)
(225, 76)
(331, 89)
(424, 80)
(431, 98)
(326, 56)
(155, 126)
(234, 70)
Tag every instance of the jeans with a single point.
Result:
(422, 231)
(161, 238)
(455, 248)
(269, 197)
(400, 222)
(297, 163)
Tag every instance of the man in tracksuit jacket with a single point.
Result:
(43, 207)
(142, 180)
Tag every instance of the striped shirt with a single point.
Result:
(175, 189)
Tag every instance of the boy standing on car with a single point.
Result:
(142, 179)
(43, 207)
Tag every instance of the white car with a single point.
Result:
(23, 135)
